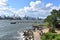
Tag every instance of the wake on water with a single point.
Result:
(20, 37)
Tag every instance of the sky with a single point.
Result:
(32, 8)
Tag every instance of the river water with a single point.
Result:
(10, 31)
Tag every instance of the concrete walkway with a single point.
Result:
(36, 35)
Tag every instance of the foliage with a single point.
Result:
(58, 13)
(52, 30)
(52, 19)
(50, 36)
(57, 38)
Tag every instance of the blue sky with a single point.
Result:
(21, 3)
(55, 2)
(33, 8)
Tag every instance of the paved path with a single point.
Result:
(36, 35)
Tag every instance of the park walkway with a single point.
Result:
(36, 35)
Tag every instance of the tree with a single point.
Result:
(52, 19)
(58, 13)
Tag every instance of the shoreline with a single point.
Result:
(35, 33)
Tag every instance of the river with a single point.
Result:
(10, 31)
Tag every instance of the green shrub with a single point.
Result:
(57, 37)
(50, 36)
(52, 29)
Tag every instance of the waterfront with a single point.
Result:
(14, 31)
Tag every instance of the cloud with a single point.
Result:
(3, 2)
(36, 9)
(55, 7)
(6, 10)
(33, 4)
(49, 5)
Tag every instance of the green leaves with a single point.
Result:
(50, 36)
(52, 19)
(54, 15)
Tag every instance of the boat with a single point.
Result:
(13, 22)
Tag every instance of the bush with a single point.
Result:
(43, 37)
(52, 29)
(50, 36)
(57, 38)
